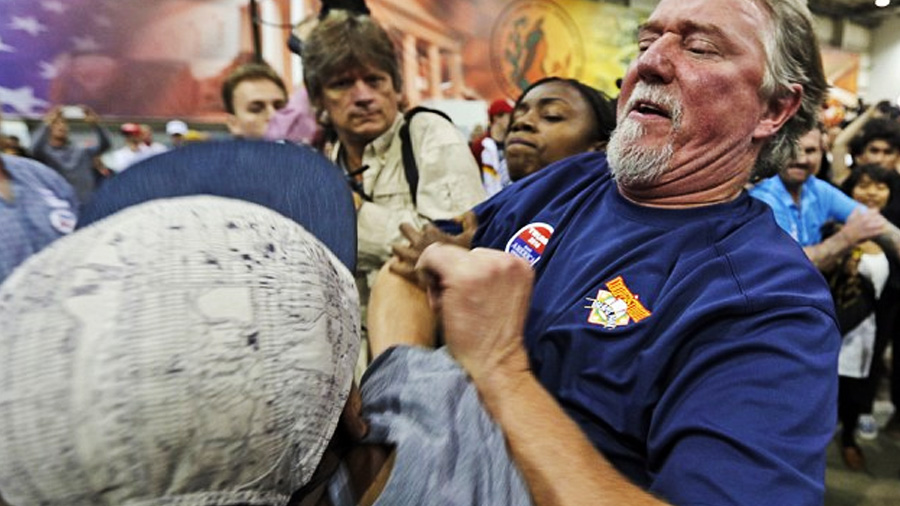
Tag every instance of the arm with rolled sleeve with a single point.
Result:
(449, 185)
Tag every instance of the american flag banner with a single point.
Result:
(150, 58)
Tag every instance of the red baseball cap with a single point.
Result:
(499, 106)
(130, 129)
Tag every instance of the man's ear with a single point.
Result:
(322, 117)
(321, 114)
(234, 128)
(778, 112)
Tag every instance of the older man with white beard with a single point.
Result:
(659, 337)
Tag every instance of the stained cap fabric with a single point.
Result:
(295, 181)
(192, 351)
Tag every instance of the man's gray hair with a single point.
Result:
(792, 57)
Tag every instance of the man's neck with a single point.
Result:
(700, 199)
(353, 154)
(794, 190)
(703, 182)
(58, 142)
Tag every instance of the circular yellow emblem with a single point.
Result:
(533, 39)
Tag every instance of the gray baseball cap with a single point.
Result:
(191, 351)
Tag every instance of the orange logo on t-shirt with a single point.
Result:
(616, 306)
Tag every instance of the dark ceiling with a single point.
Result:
(860, 11)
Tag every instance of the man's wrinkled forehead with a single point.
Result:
(724, 19)
(354, 66)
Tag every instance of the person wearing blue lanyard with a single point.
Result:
(37, 206)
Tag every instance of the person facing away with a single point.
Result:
(53, 147)
(354, 83)
(252, 93)
(199, 351)
(802, 204)
(646, 334)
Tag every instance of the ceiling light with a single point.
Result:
(882, 3)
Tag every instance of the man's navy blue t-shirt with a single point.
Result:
(696, 348)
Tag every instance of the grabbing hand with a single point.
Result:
(408, 255)
(482, 297)
(90, 116)
(863, 225)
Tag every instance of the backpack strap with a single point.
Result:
(410, 167)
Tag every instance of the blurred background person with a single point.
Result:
(802, 204)
(252, 93)
(74, 163)
(149, 140)
(37, 206)
(11, 145)
(872, 137)
(489, 149)
(295, 122)
(176, 130)
(135, 148)
(857, 283)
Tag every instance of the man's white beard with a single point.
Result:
(630, 164)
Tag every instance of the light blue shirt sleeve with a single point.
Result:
(839, 204)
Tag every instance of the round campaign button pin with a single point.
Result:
(63, 220)
(529, 242)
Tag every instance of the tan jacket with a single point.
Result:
(449, 184)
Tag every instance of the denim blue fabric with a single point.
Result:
(293, 180)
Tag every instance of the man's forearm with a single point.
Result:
(841, 145)
(398, 314)
(378, 228)
(39, 143)
(826, 255)
(103, 142)
(559, 463)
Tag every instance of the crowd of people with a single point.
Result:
(657, 298)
